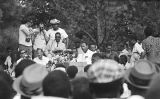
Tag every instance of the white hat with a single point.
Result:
(54, 21)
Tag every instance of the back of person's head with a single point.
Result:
(96, 57)
(123, 59)
(72, 71)
(56, 84)
(80, 82)
(114, 56)
(107, 90)
(82, 93)
(60, 65)
(86, 68)
(5, 89)
(80, 88)
(6, 76)
(154, 90)
(21, 66)
(148, 31)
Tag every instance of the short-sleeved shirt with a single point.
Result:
(138, 48)
(54, 46)
(51, 33)
(39, 42)
(44, 60)
(85, 57)
(22, 36)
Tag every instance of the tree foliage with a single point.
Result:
(101, 21)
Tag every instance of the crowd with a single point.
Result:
(46, 73)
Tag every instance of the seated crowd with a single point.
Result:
(111, 75)
(105, 78)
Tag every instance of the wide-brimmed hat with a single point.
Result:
(141, 74)
(54, 21)
(105, 71)
(30, 83)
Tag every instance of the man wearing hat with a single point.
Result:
(106, 79)
(30, 82)
(55, 28)
(138, 78)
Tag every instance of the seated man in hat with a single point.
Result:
(54, 45)
(55, 28)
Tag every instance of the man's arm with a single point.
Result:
(27, 33)
(65, 36)
(48, 49)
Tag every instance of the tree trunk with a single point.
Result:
(100, 27)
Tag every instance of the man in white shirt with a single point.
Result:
(40, 38)
(25, 33)
(55, 28)
(86, 56)
(93, 48)
(138, 47)
(54, 45)
(40, 59)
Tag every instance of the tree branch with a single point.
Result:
(89, 35)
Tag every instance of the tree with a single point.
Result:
(95, 18)
(100, 21)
